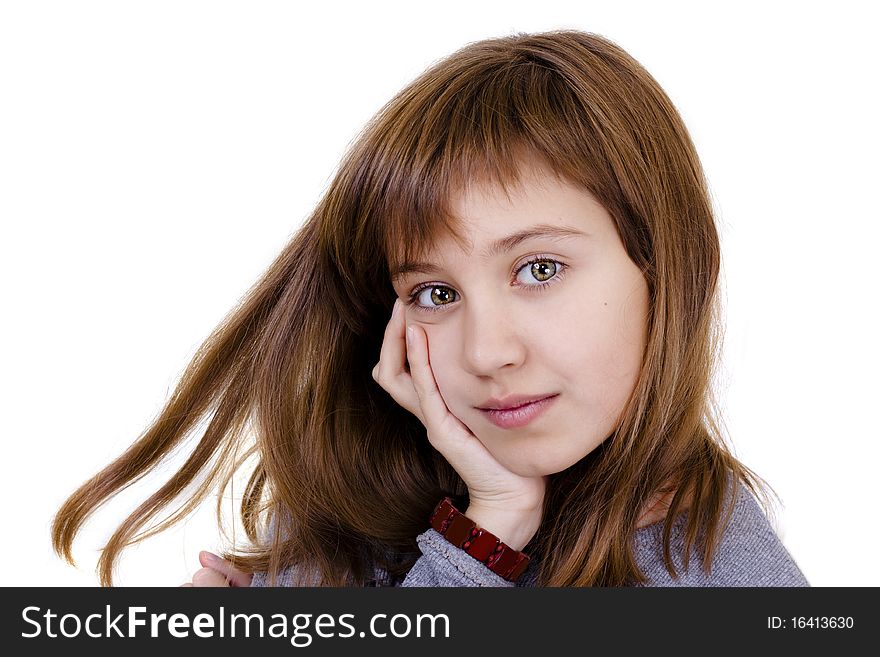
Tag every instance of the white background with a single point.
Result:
(155, 156)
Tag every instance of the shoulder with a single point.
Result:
(750, 552)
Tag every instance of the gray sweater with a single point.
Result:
(750, 554)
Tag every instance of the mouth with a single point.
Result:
(518, 415)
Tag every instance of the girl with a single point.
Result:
(523, 239)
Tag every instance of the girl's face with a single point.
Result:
(560, 313)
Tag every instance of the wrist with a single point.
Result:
(480, 543)
(515, 527)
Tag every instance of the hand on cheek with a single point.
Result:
(416, 390)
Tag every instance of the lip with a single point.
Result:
(519, 415)
(512, 401)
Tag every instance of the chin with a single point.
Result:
(536, 468)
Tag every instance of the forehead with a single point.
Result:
(488, 210)
(474, 206)
(492, 221)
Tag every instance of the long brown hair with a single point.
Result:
(345, 478)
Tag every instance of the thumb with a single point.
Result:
(235, 576)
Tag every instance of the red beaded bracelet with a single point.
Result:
(483, 545)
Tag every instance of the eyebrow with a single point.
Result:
(502, 245)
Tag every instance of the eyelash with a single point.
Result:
(561, 267)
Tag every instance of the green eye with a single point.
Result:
(537, 270)
(429, 298)
(543, 270)
(441, 295)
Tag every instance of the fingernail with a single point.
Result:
(396, 308)
(410, 331)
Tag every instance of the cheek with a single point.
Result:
(441, 343)
(457, 388)
(600, 350)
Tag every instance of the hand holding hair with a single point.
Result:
(507, 504)
(218, 572)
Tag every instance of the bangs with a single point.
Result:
(475, 120)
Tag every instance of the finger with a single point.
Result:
(185, 585)
(205, 577)
(235, 576)
(434, 408)
(391, 370)
(392, 355)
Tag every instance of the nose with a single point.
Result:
(490, 340)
